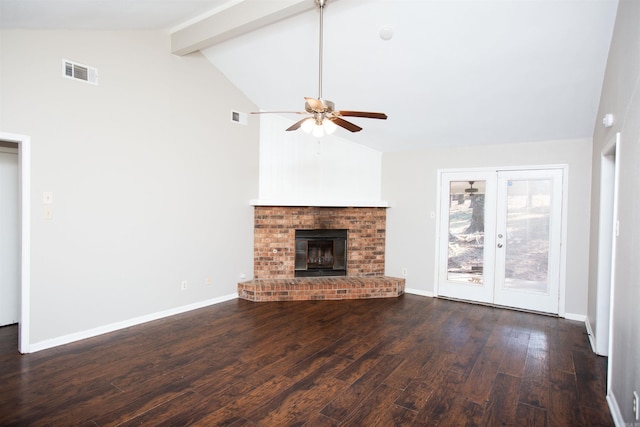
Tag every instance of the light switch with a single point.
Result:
(47, 213)
(47, 198)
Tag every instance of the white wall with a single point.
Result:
(621, 97)
(410, 186)
(295, 166)
(150, 178)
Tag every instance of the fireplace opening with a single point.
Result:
(321, 253)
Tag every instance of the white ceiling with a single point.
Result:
(101, 14)
(454, 73)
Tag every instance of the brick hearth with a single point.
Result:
(274, 255)
(321, 288)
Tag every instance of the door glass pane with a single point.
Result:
(527, 237)
(466, 232)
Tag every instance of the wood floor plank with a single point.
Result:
(239, 408)
(535, 386)
(563, 401)
(346, 401)
(514, 361)
(308, 395)
(378, 409)
(173, 412)
(590, 382)
(479, 383)
(363, 364)
(560, 349)
(438, 405)
(503, 401)
(531, 416)
(415, 395)
(411, 366)
(463, 412)
(115, 409)
(410, 360)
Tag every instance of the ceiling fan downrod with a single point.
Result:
(323, 117)
(321, 4)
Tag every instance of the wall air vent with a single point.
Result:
(238, 117)
(76, 71)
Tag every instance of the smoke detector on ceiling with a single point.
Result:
(77, 71)
(386, 33)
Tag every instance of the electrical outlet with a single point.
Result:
(183, 286)
(404, 271)
(207, 280)
(636, 410)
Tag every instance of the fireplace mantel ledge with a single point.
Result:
(321, 203)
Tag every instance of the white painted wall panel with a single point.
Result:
(621, 97)
(410, 186)
(151, 180)
(297, 166)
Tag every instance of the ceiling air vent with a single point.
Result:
(76, 71)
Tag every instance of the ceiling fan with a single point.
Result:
(324, 118)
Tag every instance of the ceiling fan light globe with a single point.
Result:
(329, 127)
(307, 125)
(318, 131)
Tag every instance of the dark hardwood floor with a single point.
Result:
(407, 361)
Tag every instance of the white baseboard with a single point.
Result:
(618, 420)
(590, 334)
(568, 316)
(418, 292)
(77, 336)
(576, 317)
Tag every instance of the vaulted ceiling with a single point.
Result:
(453, 73)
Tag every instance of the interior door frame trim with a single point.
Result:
(562, 280)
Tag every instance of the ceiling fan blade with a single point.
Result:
(278, 112)
(297, 124)
(366, 114)
(345, 124)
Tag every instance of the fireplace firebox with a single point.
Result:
(321, 252)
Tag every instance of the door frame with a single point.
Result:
(607, 227)
(563, 234)
(10, 288)
(24, 166)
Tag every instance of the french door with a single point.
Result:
(500, 237)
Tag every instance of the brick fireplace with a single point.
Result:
(275, 231)
(275, 254)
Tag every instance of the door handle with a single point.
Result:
(499, 245)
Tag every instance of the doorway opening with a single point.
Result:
(607, 234)
(9, 234)
(23, 144)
